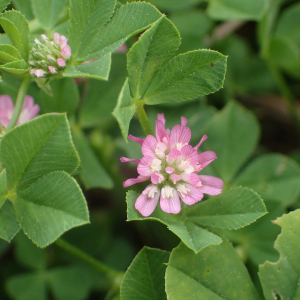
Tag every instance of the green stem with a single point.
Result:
(114, 276)
(19, 102)
(142, 116)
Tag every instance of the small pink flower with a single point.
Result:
(44, 37)
(61, 62)
(29, 110)
(52, 70)
(56, 37)
(66, 52)
(39, 73)
(171, 164)
(63, 41)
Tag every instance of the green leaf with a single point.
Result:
(9, 226)
(49, 207)
(86, 18)
(9, 53)
(156, 46)
(195, 237)
(64, 283)
(144, 278)
(124, 109)
(257, 239)
(233, 134)
(30, 286)
(282, 277)
(187, 76)
(4, 4)
(288, 24)
(18, 67)
(28, 254)
(3, 188)
(47, 12)
(248, 10)
(98, 69)
(50, 149)
(284, 53)
(274, 177)
(24, 8)
(16, 27)
(111, 36)
(167, 5)
(91, 172)
(233, 209)
(96, 110)
(215, 273)
(65, 97)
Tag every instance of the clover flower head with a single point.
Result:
(171, 164)
(49, 57)
(29, 110)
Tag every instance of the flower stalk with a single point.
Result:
(19, 102)
(115, 277)
(142, 116)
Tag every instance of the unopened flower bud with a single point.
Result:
(52, 70)
(32, 72)
(63, 41)
(37, 41)
(61, 62)
(66, 52)
(44, 37)
(56, 38)
(51, 58)
(39, 73)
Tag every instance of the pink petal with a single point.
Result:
(125, 159)
(211, 185)
(136, 139)
(6, 103)
(180, 135)
(157, 178)
(190, 154)
(192, 178)
(28, 102)
(149, 145)
(173, 155)
(175, 178)
(193, 196)
(146, 205)
(61, 62)
(161, 133)
(63, 41)
(132, 181)
(202, 140)
(56, 37)
(123, 48)
(144, 166)
(161, 118)
(39, 73)
(206, 158)
(52, 69)
(66, 52)
(183, 121)
(44, 37)
(170, 170)
(171, 205)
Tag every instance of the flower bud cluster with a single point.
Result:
(49, 57)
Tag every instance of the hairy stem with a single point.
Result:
(19, 102)
(143, 118)
(114, 276)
